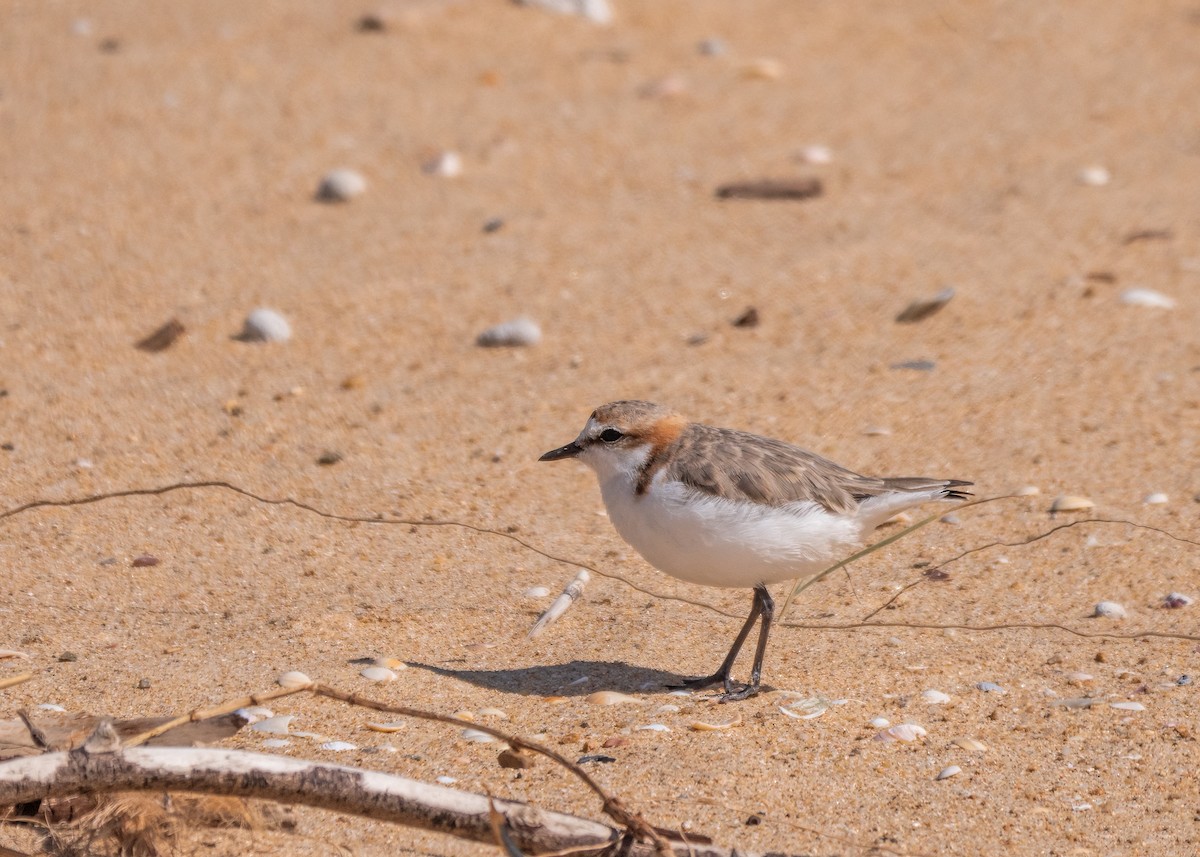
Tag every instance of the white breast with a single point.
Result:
(716, 542)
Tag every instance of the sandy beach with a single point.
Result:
(162, 161)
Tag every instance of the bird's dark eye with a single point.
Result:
(610, 435)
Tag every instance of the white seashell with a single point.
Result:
(378, 674)
(293, 679)
(12, 653)
(447, 781)
(653, 727)
(277, 725)
(1158, 498)
(877, 431)
(445, 164)
(902, 732)
(714, 727)
(51, 706)
(1080, 678)
(816, 154)
(1109, 610)
(1128, 706)
(666, 709)
(341, 185)
(879, 723)
(519, 332)
(254, 713)
(1094, 176)
(394, 726)
(596, 11)
(338, 745)
(935, 697)
(990, 687)
(498, 713)
(1147, 298)
(265, 325)
(611, 697)
(811, 715)
(972, 745)
(1028, 491)
(1071, 503)
(536, 592)
(476, 736)
(947, 773)
(583, 679)
(681, 692)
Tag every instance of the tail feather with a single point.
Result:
(905, 492)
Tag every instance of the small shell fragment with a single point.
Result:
(879, 723)
(277, 725)
(389, 663)
(536, 592)
(293, 679)
(498, 713)
(990, 687)
(340, 185)
(1147, 298)
(1071, 503)
(763, 68)
(1028, 491)
(971, 745)
(699, 726)
(816, 154)
(653, 727)
(51, 706)
(611, 697)
(447, 781)
(1109, 610)
(560, 604)
(902, 732)
(948, 772)
(12, 653)
(394, 726)
(935, 697)
(1128, 706)
(1158, 498)
(666, 709)
(380, 674)
(338, 745)
(254, 713)
(477, 736)
(923, 308)
(520, 332)
(1094, 176)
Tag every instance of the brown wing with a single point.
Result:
(735, 464)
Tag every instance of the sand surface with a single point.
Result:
(160, 162)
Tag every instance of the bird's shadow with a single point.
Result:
(575, 678)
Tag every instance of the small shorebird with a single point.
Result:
(728, 508)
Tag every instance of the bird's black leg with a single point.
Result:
(722, 675)
(766, 607)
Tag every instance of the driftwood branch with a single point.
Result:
(354, 791)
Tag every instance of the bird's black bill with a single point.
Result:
(571, 450)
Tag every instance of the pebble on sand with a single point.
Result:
(1158, 498)
(519, 332)
(1109, 610)
(340, 185)
(816, 154)
(935, 697)
(1175, 600)
(445, 164)
(265, 325)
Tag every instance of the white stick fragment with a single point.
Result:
(561, 603)
(385, 797)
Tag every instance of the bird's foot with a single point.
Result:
(744, 692)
